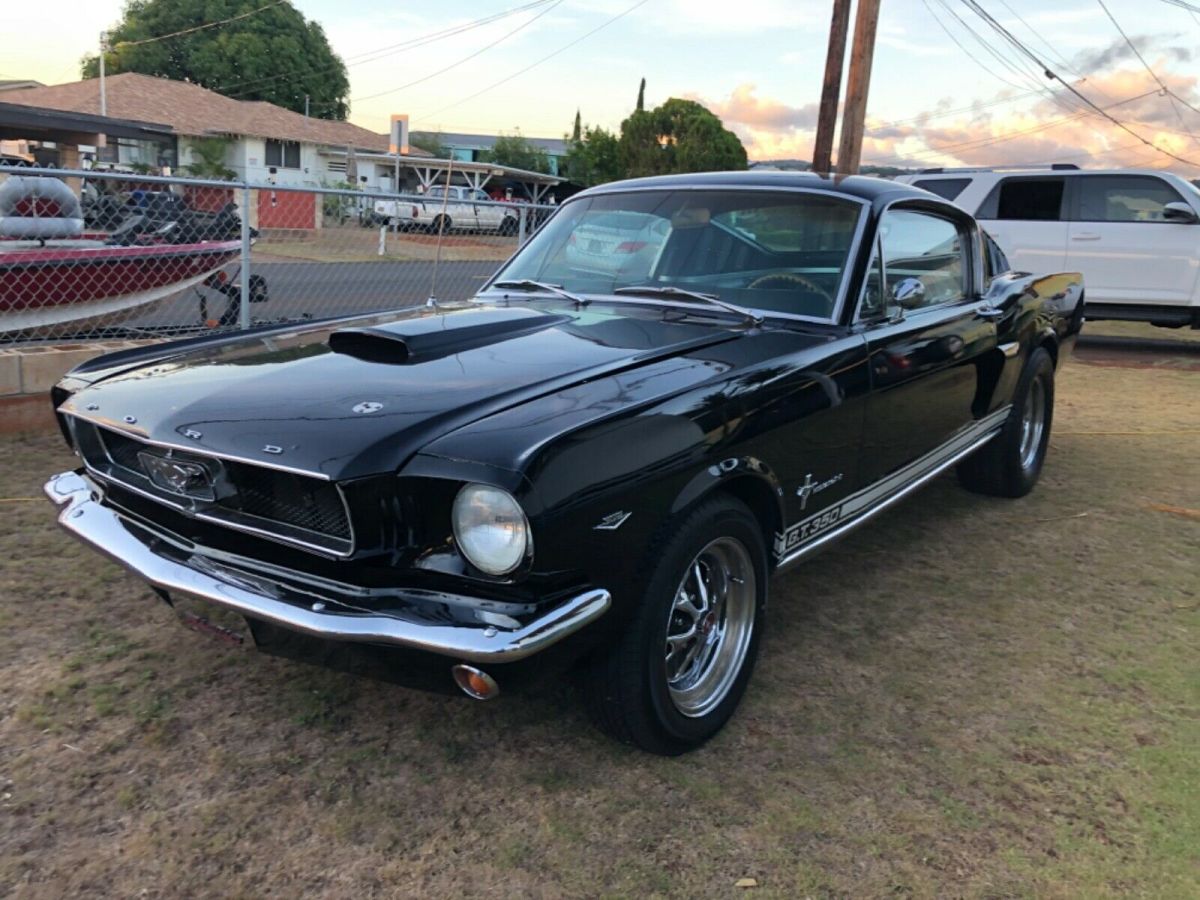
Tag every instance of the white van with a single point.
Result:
(1133, 233)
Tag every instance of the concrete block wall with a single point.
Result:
(27, 374)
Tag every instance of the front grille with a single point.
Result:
(286, 506)
(281, 496)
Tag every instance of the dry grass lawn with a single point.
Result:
(967, 698)
(351, 243)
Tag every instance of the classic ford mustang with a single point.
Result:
(678, 387)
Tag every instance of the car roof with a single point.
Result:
(1035, 171)
(862, 187)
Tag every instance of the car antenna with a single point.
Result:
(437, 256)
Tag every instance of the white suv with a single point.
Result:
(1133, 233)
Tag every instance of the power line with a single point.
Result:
(163, 37)
(532, 65)
(389, 50)
(1020, 47)
(979, 143)
(466, 58)
(1171, 96)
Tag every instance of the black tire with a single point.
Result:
(440, 224)
(508, 226)
(1010, 463)
(628, 686)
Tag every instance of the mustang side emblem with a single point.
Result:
(367, 406)
(809, 487)
(612, 521)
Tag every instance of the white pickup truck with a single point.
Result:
(1133, 233)
(444, 209)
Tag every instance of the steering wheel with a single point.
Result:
(776, 280)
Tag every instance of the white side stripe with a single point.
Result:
(793, 541)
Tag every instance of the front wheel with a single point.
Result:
(1010, 463)
(681, 666)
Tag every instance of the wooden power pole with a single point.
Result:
(854, 112)
(832, 87)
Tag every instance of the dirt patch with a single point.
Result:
(968, 697)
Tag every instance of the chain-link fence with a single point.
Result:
(87, 254)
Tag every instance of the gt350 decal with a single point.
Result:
(809, 528)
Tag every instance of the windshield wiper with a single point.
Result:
(528, 284)
(660, 290)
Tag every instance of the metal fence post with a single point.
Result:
(521, 227)
(244, 305)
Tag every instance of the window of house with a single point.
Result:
(949, 188)
(1028, 199)
(928, 248)
(1124, 198)
(283, 154)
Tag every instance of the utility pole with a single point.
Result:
(103, 94)
(832, 87)
(854, 112)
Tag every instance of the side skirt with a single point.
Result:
(817, 531)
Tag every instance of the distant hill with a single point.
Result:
(803, 165)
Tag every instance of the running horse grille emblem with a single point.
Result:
(176, 476)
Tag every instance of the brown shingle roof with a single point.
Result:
(192, 110)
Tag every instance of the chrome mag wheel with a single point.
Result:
(709, 626)
(1033, 424)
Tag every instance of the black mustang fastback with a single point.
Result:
(678, 387)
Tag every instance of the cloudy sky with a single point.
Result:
(944, 90)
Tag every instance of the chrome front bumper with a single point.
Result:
(147, 555)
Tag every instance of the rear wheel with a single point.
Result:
(440, 224)
(508, 225)
(1010, 463)
(680, 669)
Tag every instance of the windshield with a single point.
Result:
(782, 251)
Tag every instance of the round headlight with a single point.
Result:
(490, 528)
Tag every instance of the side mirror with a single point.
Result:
(908, 293)
(1180, 213)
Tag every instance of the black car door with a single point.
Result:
(928, 331)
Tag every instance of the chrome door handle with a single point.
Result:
(989, 312)
(1086, 236)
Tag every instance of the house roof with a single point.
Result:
(195, 111)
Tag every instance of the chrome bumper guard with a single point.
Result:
(136, 548)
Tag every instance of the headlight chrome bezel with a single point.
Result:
(475, 498)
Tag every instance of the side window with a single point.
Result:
(872, 298)
(927, 248)
(994, 261)
(1124, 198)
(949, 188)
(1026, 199)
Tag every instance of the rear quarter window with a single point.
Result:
(947, 188)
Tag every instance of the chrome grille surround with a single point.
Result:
(284, 506)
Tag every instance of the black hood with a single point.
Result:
(361, 397)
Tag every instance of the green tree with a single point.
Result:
(641, 101)
(594, 159)
(679, 136)
(430, 142)
(577, 131)
(209, 158)
(516, 151)
(275, 54)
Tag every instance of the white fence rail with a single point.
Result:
(126, 256)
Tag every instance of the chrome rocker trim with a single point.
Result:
(87, 519)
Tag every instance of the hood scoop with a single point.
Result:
(420, 340)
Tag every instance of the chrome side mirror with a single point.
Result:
(1180, 213)
(908, 293)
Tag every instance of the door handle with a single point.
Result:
(988, 312)
(1086, 236)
